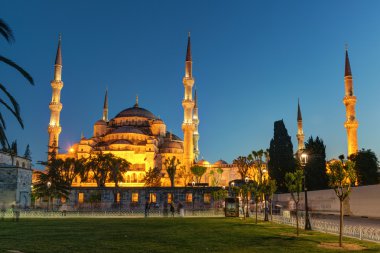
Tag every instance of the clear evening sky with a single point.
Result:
(251, 61)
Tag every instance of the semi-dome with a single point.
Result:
(136, 112)
(127, 129)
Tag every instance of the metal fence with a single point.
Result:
(353, 231)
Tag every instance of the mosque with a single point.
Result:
(137, 135)
(141, 138)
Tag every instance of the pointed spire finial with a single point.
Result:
(299, 115)
(137, 101)
(195, 98)
(58, 58)
(188, 52)
(347, 70)
(105, 106)
(81, 135)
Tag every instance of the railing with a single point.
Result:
(355, 231)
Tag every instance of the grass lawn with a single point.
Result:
(159, 235)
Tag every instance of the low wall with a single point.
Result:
(363, 201)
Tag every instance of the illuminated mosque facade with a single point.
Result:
(137, 135)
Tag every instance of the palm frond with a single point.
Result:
(16, 108)
(18, 68)
(6, 32)
(2, 121)
(3, 138)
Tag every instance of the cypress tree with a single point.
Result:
(316, 177)
(281, 156)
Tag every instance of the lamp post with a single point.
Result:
(48, 184)
(266, 197)
(193, 197)
(246, 180)
(303, 160)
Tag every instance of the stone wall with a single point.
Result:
(104, 198)
(15, 186)
(363, 201)
(17, 161)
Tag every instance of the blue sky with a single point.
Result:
(251, 61)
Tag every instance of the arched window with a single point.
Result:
(23, 164)
(128, 178)
(134, 178)
(17, 164)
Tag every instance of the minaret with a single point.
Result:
(188, 105)
(300, 134)
(349, 101)
(105, 107)
(55, 105)
(196, 124)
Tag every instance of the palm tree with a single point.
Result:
(243, 165)
(13, 106)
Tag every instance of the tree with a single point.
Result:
(185, 175)
(171, 168)
(13, 107)
(28, 154)
(293, 181)
(50, 182)
(117, 167)
(269, 187)
(256, 190)
(153, 177)
(281, 155)
(366, 165)
(70, 168)
(216, 176)
(243, 165)
(99, 173)
(198, 172)
(219, 196)
(315, 168)
(341, 175)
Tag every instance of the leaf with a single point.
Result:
(18, 68)
(6, 32)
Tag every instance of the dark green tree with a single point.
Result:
(28, 153)
(315, 168)
(198, 172)
(366, 165)
(13, 107)
(281, 155)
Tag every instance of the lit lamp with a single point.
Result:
(303, 161)
(48, 184)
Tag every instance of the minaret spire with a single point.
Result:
(137, 101)
(105, 107)
(300, 134)
(55, 106)
(349, 101)
(196, 124)
(188, 126)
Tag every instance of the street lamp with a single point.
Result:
(193, 196)
(303, 160)
(48, 184)
(246, 180)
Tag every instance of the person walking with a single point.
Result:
(147, 206)
(172, 209)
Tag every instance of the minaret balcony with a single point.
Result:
(55, 106)
(56, 84)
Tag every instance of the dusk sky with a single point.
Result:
(251, 61)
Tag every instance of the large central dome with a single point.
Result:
(136, 112)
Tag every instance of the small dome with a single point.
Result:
(172, 144)
(136, 112)
(127, 129)
(220, 163)
(100, 123)
(203, 162)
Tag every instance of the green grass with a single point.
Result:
(159, 235)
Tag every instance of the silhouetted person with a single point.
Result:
(172, 209)
(147, 206)
(3, 210)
